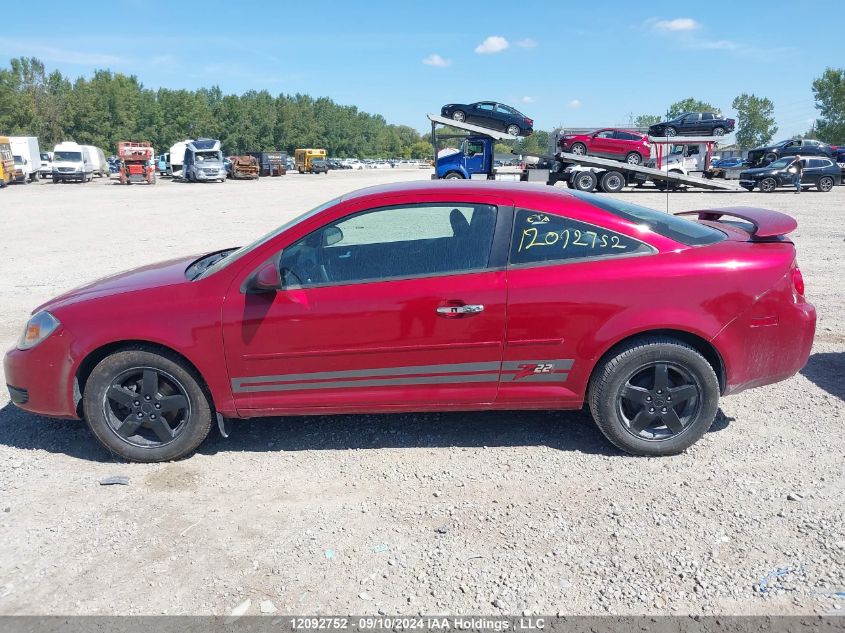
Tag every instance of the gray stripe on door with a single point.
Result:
(560, 363)
(377, 382)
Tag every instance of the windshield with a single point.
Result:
(243, 250)
(209, 155)
(18, 160)
(781, 163)
(45, 156)
(71, 156)
(671, 226)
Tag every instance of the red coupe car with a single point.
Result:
(436, 296)
(622, 145)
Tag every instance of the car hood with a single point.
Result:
(759, 171)
(168, 273)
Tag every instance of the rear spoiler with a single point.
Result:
(765, 222)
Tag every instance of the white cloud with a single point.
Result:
(527, 99)
(493, 44)
(678, 24)
(575, 103)
(526, 43)
(436, 60)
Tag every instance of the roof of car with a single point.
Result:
(480, 187)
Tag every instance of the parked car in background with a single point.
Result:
(694, 124)
(762, 156)
(727, 163)
(631, 147)
(819, 171)
(490, 114)
(319, 166)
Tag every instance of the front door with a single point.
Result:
(395, 307)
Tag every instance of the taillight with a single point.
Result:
(529, 121)
(798, 281)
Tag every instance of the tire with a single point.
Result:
(612, 182)
(719, 131)
(159, 381)
(584, 181)
(768, 185)
(578, 148)
(513, 130)
(670, 131)
(630, 396)
(453, 175)
(825, 183)
(459, 115)
(634, 158)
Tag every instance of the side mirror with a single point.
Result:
(265, 279)
(332, 235)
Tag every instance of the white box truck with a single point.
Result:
(98, 160)
(70, 162)
(177, 157)
(27, 157)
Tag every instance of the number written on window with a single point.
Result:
(545, 237)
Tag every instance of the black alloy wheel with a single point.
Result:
(658, 401)
(147, 407)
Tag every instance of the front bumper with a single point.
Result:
(201, 175)
(40, 380)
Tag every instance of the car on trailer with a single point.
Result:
(762, 156)
(624, 145)
(432, 296)
(490, 114)
(694, 124)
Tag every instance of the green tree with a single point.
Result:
(755, 120)
(646, 120)
(829, 93)
(689, 105)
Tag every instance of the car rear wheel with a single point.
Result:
(513, 130)
(655, 396)
(146, 407)
(670, 131)
(719, 131)
(459, 115)
(612, 182)
(825, 183)
(578, 148)
(768, 185)
(634, 158)
(584, 181)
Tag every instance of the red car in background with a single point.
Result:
(624, 145)
(435, 296)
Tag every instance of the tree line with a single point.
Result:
(109, 107)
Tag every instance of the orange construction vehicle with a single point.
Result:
(136, 162)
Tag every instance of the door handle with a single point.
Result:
(460, 310)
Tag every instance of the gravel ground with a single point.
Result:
(459, 513)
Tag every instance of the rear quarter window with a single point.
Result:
(543, 237)
(675, 228)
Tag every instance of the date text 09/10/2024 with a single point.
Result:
(426, 623)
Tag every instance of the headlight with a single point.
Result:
(40, 326)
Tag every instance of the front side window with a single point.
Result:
(543, 237)
(393, 243)
(605, 134)
(485, 106)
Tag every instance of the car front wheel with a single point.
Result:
(578, 148)
(146, 407)
(670, 131)
(459, 115)
(655, 396)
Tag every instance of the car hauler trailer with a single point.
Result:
(474, 159)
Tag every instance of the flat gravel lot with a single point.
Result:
(458, 513)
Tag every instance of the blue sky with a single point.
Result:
(562, 63)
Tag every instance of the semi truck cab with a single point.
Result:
(475, 156)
